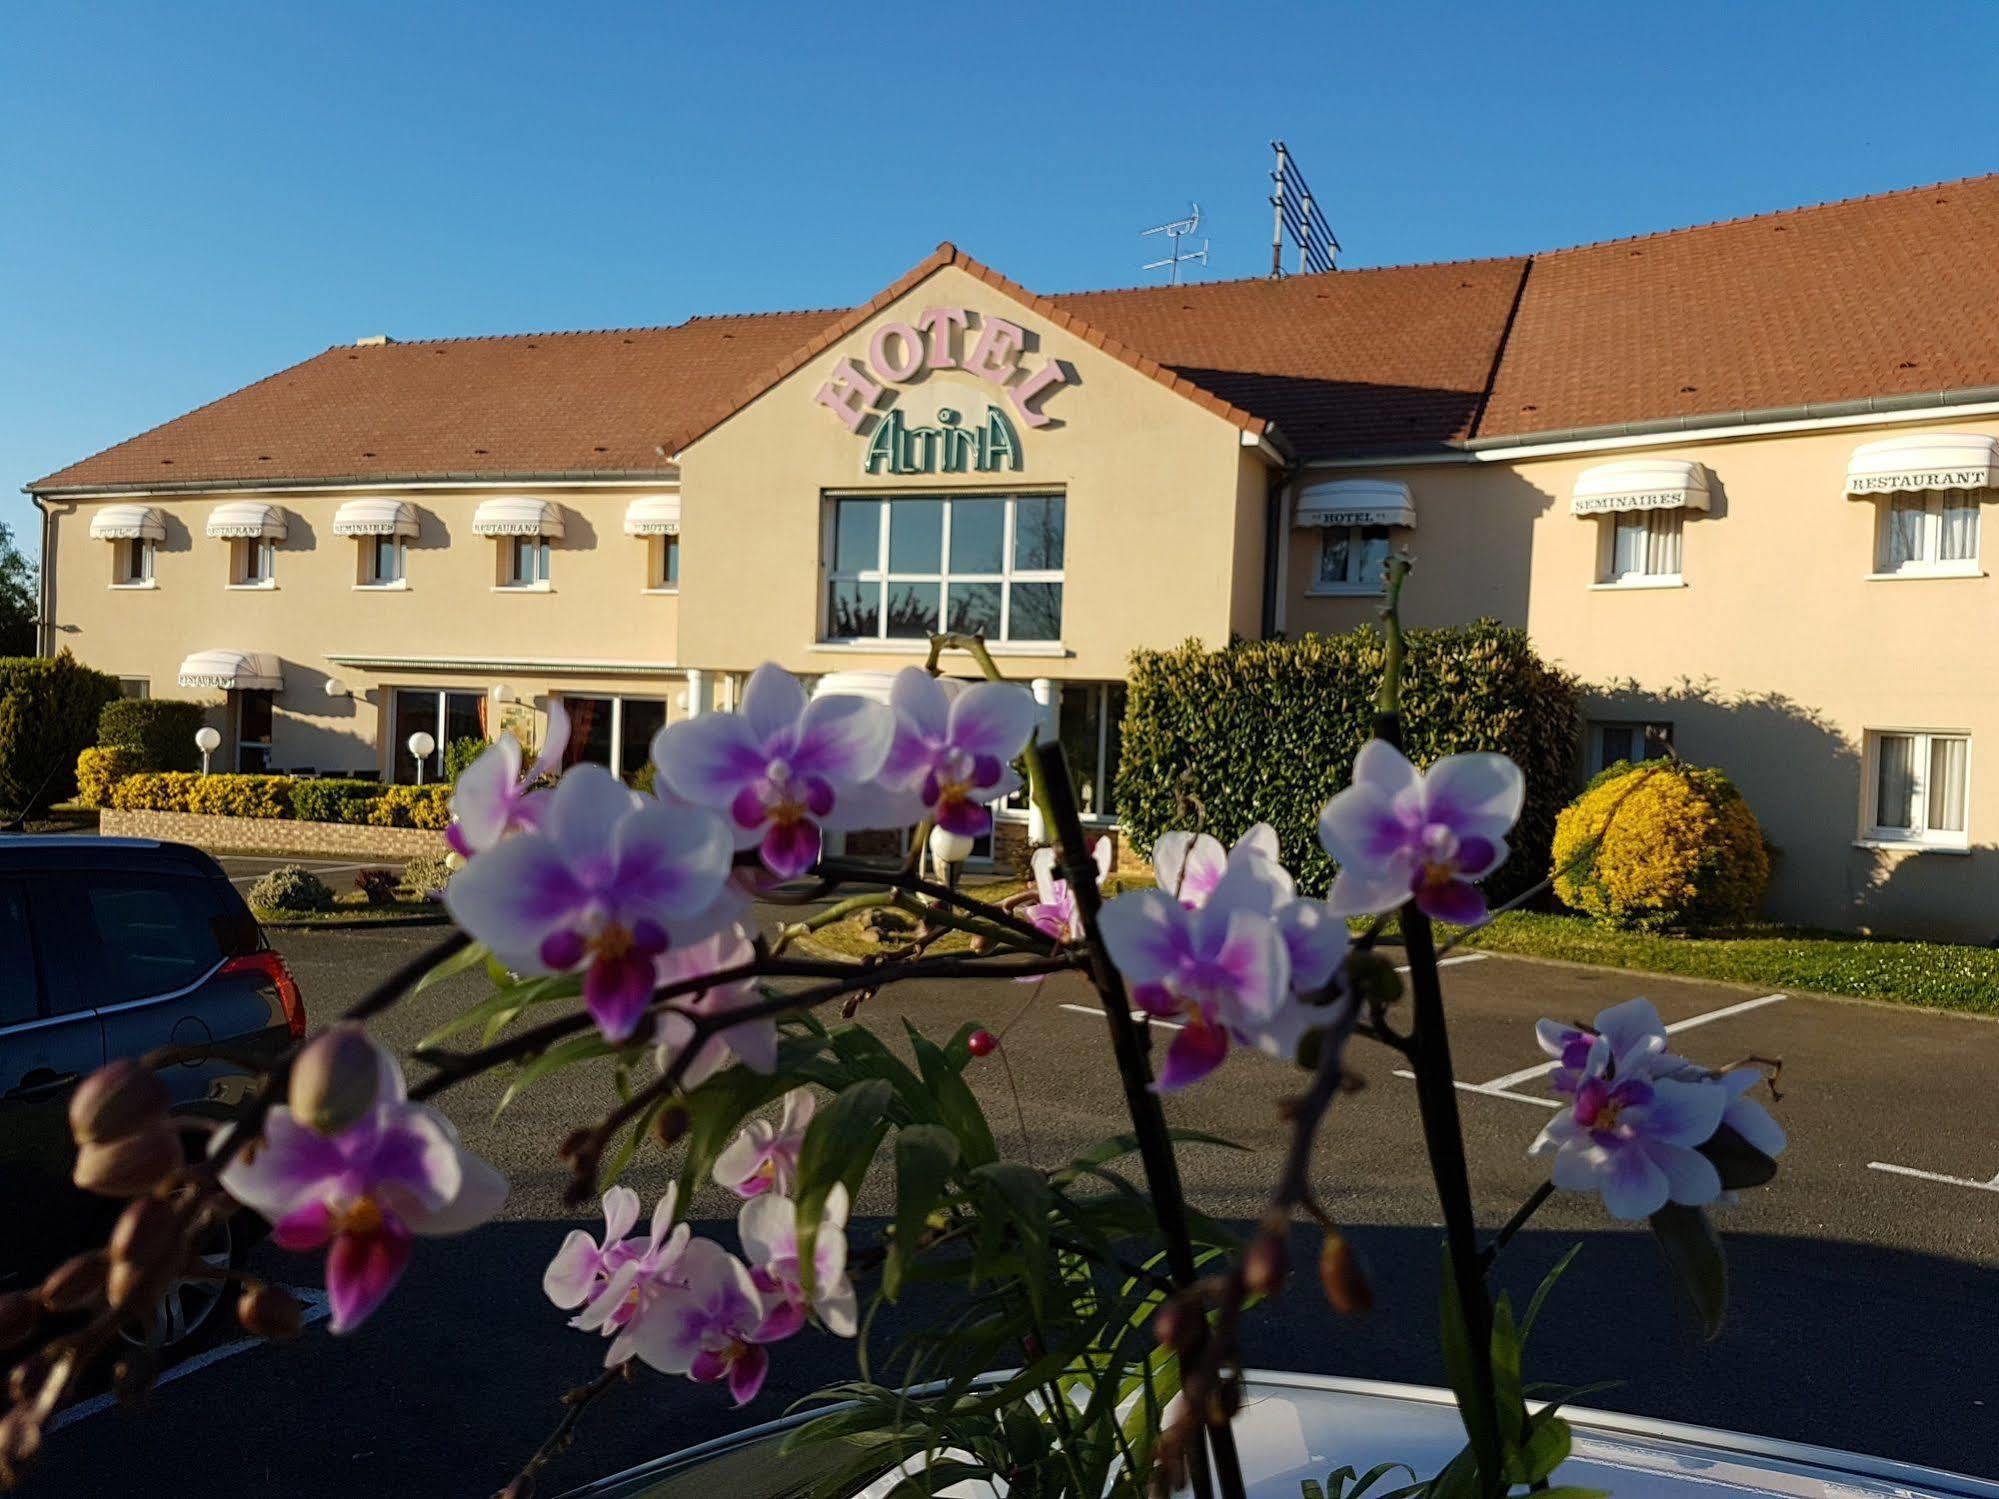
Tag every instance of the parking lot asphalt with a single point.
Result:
(1865, 1279)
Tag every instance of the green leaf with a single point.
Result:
(1461, 1368)
(839, 1144)
(957, 1107)
(925, 1157)
(1510, 1408)
(465, 959)
(501, 1006)
(1740, 1163)
(1541, 1292)
(562, 1054)
(1570, 1491)
(1693, 1249)
(1546, 1449)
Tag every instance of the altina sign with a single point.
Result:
(987, 348)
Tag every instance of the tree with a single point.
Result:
(18, 598)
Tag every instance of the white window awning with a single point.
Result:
(1929, 460)
(232, 671)
(375, 518)
(1355, 502)
(1640, 484)
(247, 518)
(126, 522)
(517, 517)
(653, 515)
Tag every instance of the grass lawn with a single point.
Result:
(1935, 975)
(352, 908)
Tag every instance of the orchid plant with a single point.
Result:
(1081, 1333)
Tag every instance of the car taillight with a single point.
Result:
(270, 966)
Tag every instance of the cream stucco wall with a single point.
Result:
(597, 609)
(1773, 661)
(1155, 485)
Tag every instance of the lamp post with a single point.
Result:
(207, 741)
(421, 746)
(948, 853)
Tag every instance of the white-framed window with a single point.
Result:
(524, 561)
(135, 687)
(1918, 787)
(1613, 742)
(1929, 531)
(132, 562)
(663, 563)
(254, 715)
(446, 714)
(903, 568)
(1089, 724)
(252, 561)
(614, 732)
(1351, 559)
(1641, 547)
(382, 560)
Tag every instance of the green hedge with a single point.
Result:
(48, 716)
(333, 800)
(1268, 730)
(160, 729)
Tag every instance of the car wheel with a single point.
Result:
(188, 1308)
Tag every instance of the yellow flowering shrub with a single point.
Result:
(100, 768)
(241, 796)
(1661, 845)
(411, 807)
(154, 791)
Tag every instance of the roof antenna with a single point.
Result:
(1294, 211)
(1176, 231)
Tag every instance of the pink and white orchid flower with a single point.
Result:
(952, 750)
(1054, 909)
(1398, 833)
(782, 767)
(769, 1229)
(764, 1157)
(752, 1042)
(1190, 865)
(710, 1327)
(397, 1172)
(605, 882)
(1223, 971)
(582, 1267)
(647, 1278)
(492, 798)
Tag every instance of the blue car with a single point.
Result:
(112, 947)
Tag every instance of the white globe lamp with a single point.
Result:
(207, 740)
(421, 746)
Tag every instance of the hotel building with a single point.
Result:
(1732, 476)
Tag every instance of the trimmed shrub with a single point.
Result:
(411, 807)
(460, 753)
(160, 729)
(377, 885)
(1664, 845)
(1268, 730)
(641, 780)
(48, 717)
(100, 768)
(333, 800)
(261, 797)
(426, 875)
(154, 791)
(291, 887)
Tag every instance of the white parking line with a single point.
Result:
(1135, 1015)
(1491, 1090)
(251, 879)
(314, 1303)
(1936, 1176)
(1722, 1014)
(1468, 957)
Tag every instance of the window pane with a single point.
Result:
(1077, 726)
(978, 536)
(669, 562)
(1334, 552)
(1895, 797)
(1662, 555)
(912, 610)
(853, 610)
(1905, 532)
(640, 719)
(1373, 553)
(19, 988)
(916, 537)
(974, 608)
(414, 711)
(1946, 789)
(1960, 533)
(147, 935)
(856, 536)
(589, 731)
(1113, 743)
(1037, 612)
(1617, 745)
(1629, 546)
(464, 718)
(1038, 524)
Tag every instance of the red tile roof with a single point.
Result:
(1880, 296)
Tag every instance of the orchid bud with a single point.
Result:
(1179, 1327)
(120, 1098)
(268, 1312)
(131, 1165)
(76, 1282)
(19, 1317)
(1341, 1277)
(146, 1231)
(671, 1123)
(335, 1080)
(1265, 1266)
(1374, 978)
(20, 1440)
(25, 1380)
(130, 1285)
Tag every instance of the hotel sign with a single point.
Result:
(987, 348)
(1934, 478)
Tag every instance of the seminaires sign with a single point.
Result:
(902, 353)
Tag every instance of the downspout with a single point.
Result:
(1274, 531)
(45, 621)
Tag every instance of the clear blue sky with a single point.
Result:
(192, 196)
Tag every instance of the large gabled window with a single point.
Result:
(904, 568)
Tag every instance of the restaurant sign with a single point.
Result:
(988, 349)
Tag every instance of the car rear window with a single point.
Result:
(19, 990)
(152, 934)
